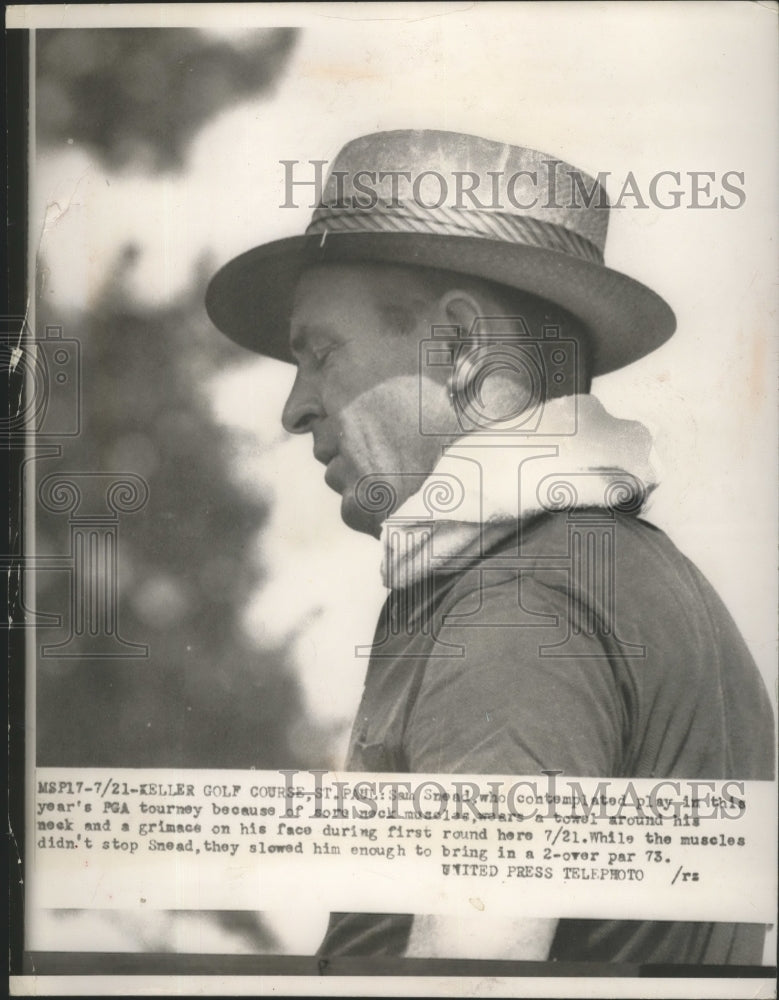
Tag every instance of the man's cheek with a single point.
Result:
(369, 439)
(387, 400)
(383, 422)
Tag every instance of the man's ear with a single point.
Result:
(458, 308)
(486, 384)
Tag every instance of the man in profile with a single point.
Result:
(445, 347)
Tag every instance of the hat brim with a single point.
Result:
(250, 298)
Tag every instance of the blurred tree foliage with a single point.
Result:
(206, 697)
(136, 96)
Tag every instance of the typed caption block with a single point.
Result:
(543, 845)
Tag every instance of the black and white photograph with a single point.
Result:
(393, 524)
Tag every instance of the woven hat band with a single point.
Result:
(412, 217)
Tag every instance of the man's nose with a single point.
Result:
(302, 407)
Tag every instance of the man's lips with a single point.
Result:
(327, 457)
(332, 478)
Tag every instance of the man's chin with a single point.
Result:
(358, 517)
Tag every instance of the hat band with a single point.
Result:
(411, 217)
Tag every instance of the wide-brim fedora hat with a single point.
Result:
(508, 214)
